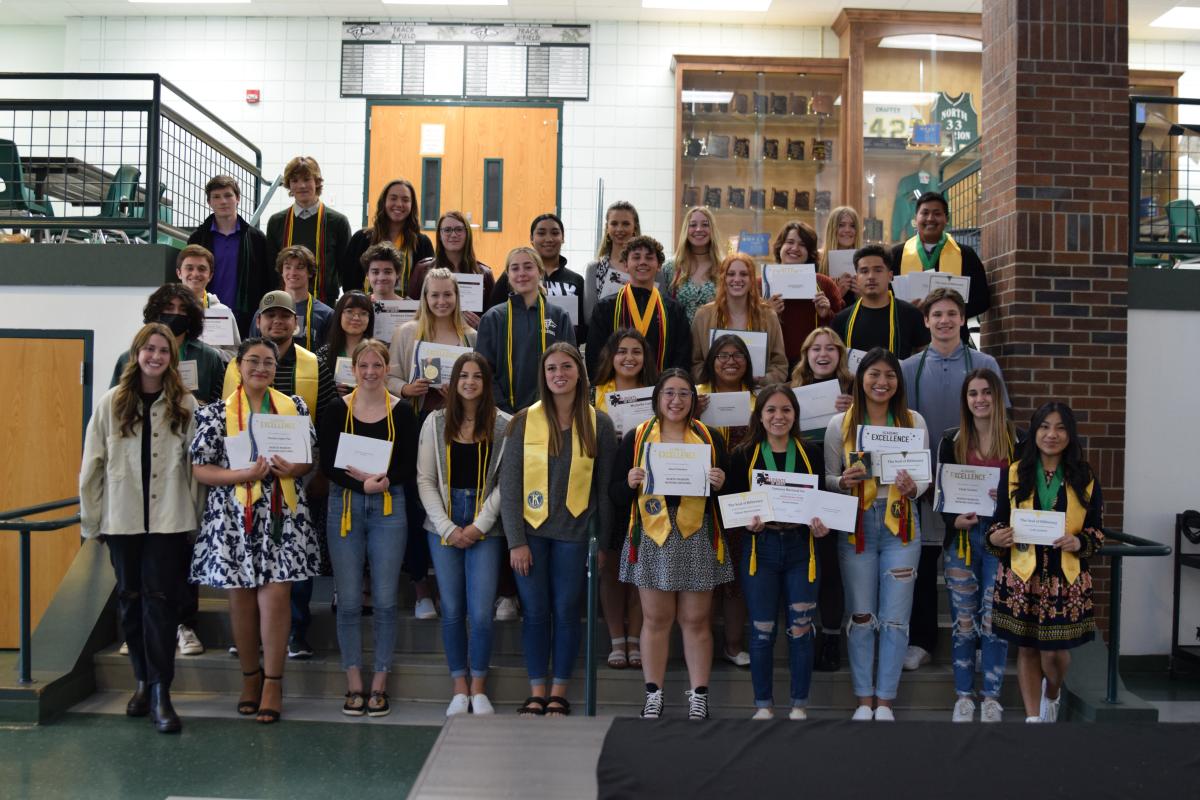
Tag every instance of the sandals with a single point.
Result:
(617, 658)
(558, 707)
(268, 716)
(378, 705)
(355, 705)
(248, 708)
(635, 655)
(533, 707)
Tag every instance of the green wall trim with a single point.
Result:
(148, 265)
(1164, 289)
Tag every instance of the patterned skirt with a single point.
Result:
(680, 565)
(1044, 612)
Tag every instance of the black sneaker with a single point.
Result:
(653, 707)
(299, 649)
(829, 653)
(697, 704)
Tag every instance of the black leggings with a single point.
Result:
(151, 572)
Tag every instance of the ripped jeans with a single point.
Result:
(971, 589)
(879, 586)
(782, 571)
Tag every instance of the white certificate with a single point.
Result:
(1031, 526)
(364, 453)
(344, 372)
(568, 303)
(841, 262)
(284, 435)
(189, 374)
(390, 314)
(853, 357)
(964, 489)
(677, 469)
(880, 439)
(739, 510)
(470, 291)
(818, 403)
(836, 511)
(959, 283)
(614, 282)
(728, 409)
(790, 281)
(431, 356)
(756, 343)
(911, 286)
(629, 408)
(237, 450)
(916, 463)
(788, 492)
(219, 327)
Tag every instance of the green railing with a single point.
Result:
(1127, 546)
(593, 581)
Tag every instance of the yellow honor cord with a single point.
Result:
(348, 427)
(640, 320)
(964, 547)
(319, 246)
(891, 323)
(483, 452)
(308, 324)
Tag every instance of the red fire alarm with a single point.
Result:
(252, 96)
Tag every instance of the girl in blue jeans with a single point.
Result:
(366, 521)
(879, 560)
(986, 438)
(780, 560)
(457, 462)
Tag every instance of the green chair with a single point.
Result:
(15, 196)
(1183, 219)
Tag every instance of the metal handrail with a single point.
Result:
(593, 582)
(1129, 546)
(14, 520)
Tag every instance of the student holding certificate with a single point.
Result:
(147, 419)
(557, 466)
(843, 231)
(985, 439)
(194, 268)
(739, 306)
(396, 221)
(256, 537)
(605, 276)
(879, 560)
(797, 244)
(877, 318)
(456, 253)
(781, 559)
(674, 551)
(297, 267)
(353, 321)
(1043, 601)
(690, 275)
(823, 357)
(456, 475)
(624, 365)
(366, 444)
(382, 264)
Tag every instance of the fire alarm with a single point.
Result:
(252, 96)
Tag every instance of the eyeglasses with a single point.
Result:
(727, 357)
(356, 313)
(453, 231)
(254, 362)
(676, 394)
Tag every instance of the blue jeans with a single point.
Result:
(467, 584)
(879, 584)
(782, 572)
(554, 585)
(302, 591)
(971, 589)
(380, 540)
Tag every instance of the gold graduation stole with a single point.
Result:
(768, 459)
(305, 377)
(891, 323)
(248, 494)
(348, 427)
(1024, 559)
(318, 246)
(899, 516)
(536, 466)
(946, 257)
(625, 313)
(650, 511)
(601, 403)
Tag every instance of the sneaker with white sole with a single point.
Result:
(697, 704)
(1033, 720)
(764, 713)
(964, 710)
(425, 609)
(459, 704)
(798, 713)
(506, 609)
(863, 714)
(233, 650)
(739, 659)
(916, 657)
(884, 714)
(991, 711)
(123, 649)
(1042, 703)
(1051, 712)
(189, 642)
(653, 707)
(480, 704)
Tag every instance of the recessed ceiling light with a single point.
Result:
(705, 96)
(445, 2)
(932, 41)
(191, 2)
(1179, 17)
(709, 5)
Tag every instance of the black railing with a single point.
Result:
(15, 521)
(959, 179)
(1127, 546)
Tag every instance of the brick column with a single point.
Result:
(1055, 221)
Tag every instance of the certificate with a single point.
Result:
(614, 282)
(1031, 526)
(219, 327)
(915, 286)
(790, 281)
(343, 373)
(852, 359)
(916, 463)
(431, 356)
(818, 403)
(364, 453)
(963, 489)
(788, 492)
(959, 283)
(841, 262)
(189, 374)
(390, 314)
(756, 343)
(739, 510)
(836, 511)
(629, 408)
(879, 439)
(284, 435)
(470, 291)
(568, 303)
(677, 469)
(728, 409)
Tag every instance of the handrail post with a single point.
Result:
(589, 669)
(1114, 629)
(26, 611)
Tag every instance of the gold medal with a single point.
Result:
(432, 371)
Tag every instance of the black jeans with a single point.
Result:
(831, 598)
(923, 623)
(151, 573)
(189, 596)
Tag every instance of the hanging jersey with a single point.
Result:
(958, 118)
(904, 211)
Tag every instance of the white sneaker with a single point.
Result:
(480, 704)
(459, 704)
(991, 711)
(425, 609)
(764, 713)
(798, 712)
(506, 609)
(740, 659)
(653, 707)
(884, 714)
(123, 649)
(1042, 703)
(964, 710)
(189, 642)
(233, 650)
(1051, 712)
(697, 704)
(1033, 720)
(915, 657)
(863, 714)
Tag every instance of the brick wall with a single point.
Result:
(1055, 218)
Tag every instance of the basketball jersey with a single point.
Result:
(958, 118)
(908, 190)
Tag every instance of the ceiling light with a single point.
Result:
(932, 41)
(191, 2)
(701, 96)
(445, 2)
(709, 5)
(1179, 17)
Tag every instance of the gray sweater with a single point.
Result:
(560, 524)
(431, 476)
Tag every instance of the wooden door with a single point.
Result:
(41, 428)
(496, 164)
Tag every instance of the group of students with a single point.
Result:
(516, 460)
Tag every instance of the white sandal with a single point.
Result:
(617, 658)
(635, 654)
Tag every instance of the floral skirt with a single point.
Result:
(1044, 612)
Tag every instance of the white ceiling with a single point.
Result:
(782, 12)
